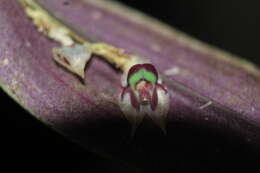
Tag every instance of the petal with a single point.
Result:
(133, 115)
(159, 114)
(133, 99)
(154, 101)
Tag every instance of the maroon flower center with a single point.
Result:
(144, 89)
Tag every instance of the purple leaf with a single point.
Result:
(210, 89)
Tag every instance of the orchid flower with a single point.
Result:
(144, 95)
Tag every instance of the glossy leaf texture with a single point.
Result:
(214, 95)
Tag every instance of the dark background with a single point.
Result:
(233, 25)
(229, 24)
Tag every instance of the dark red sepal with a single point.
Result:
(134, 101)
(154, 101)
(133, 98)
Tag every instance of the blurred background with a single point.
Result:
(229, 24)
(233, 25)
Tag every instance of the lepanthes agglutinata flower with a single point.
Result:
(144, 95)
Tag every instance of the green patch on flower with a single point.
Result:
(142, 74)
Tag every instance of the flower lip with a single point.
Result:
(144, 89)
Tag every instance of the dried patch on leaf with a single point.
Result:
(49, 25)
(71, 56)
(5, 62)
(112, 54)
